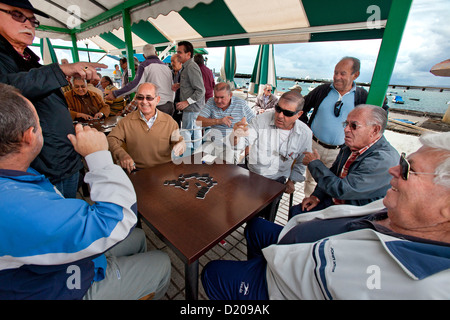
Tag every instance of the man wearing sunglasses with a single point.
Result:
(266, 100)
(359, 175)
(150, 135)
(276, 142)
(393, 248)
(20, 67)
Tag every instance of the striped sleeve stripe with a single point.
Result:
(320, 266)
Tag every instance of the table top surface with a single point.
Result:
(104, 125)
(191, 225)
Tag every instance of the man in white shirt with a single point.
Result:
(276, 143)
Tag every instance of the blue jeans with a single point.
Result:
(69, 186)
(188, 122)
(243, 280)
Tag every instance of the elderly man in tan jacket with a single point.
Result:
(84, 103)
(149, 135)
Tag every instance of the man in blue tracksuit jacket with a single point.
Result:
(57, 248)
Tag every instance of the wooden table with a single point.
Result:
(191, 226)
(104, 125)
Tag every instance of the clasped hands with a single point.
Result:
(127, 163)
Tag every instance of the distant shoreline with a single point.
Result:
(365, 84)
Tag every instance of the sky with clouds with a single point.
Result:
(426, 41)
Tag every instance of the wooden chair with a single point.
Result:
(150, 296)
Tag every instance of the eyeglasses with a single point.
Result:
(142, 98)
(337, 108)
(20, 17)
(405, 168)
(353, 125)
(287, 113)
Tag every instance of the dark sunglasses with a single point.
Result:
(353, 125)
(337, 108)
(405, 168)
(20, 17)
(287, 113)
(142, 98)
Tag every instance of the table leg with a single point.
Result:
(191, 280)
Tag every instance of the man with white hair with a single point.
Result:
(359, 174)
(266, 100)
(393, 248)
(151, 70)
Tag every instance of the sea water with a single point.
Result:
(430, 100)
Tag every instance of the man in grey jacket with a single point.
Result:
(192, 94)
(152, 70)
(359, 174)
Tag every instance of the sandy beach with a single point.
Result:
(403, 142)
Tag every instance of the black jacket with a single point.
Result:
(42, 86)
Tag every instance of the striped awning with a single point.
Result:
(264, 70)
(212, 23)
(228, 69)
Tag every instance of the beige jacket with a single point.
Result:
(147, 147)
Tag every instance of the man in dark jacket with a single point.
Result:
(20, 68)
(359, 175)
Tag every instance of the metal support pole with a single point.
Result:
(75, 56)
(191, 280)
(388, 51)
(129, 42)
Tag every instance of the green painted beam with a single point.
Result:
(75, 56)
(129, 42)
(54, 29)
(70, 48)
(387, 55)
(117, 10)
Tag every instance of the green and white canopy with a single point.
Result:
(212, 23)
(119, 26)
(263, 70)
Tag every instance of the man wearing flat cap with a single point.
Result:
(20, 67)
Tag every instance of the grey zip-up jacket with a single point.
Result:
(192, 88)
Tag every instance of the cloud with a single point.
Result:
(425, 43)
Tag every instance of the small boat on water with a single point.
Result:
(398, 100)
(311, 88)
(414, 99)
